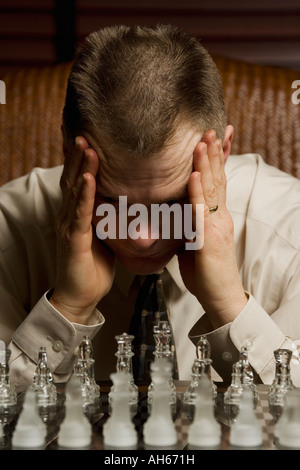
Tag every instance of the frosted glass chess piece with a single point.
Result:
(8, 395)
(287, 428)
(282, 381)
(205, 431)
(75, 430)
(43, 381)
(201, 366)
(246, 431)
(162, 336)
(30, 431)
(119, 430)
(159, 429)
(84, 370)
(124, 356)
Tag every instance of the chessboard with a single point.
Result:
(99, 412)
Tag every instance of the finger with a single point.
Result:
(196, 194)
(78, 193)
(202, 165)
(216, 161)
(73, 163)
(83, 215)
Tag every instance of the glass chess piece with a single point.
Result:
(246, 430)
(242, 378)
(234, 392)
(162, 337)
(75, 430)
(30, 431)
(282, 381)
(43, 381)
(159, 430)
(8, 396)
(124, 356)
(201, 366)
(119, 430)
(84, 370)
(287, 427)
(204, 431)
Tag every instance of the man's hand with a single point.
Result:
(211, 273)
(85, 268)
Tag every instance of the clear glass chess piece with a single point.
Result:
(84, 370)
(43, 381)
(234, 392)
(282, 381)
(200, 367)
(162, 337)
(124, 356)
(8, 396)
(242, 378)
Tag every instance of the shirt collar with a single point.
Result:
(124, 278)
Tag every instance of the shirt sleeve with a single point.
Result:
(45, 326)
(255, 330)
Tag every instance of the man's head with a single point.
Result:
(134, 86)
(143, 98)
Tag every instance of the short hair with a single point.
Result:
(135, 85)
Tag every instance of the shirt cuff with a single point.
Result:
(46, 326)
(253, 329)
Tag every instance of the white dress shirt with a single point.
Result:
(265, 205)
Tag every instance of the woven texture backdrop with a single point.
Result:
(258, 102)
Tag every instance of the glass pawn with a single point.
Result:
(282, 381)
(200, 367)
(84, 370)
(124, 356)
(162, 337)
(43, 381)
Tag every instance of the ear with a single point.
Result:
(229, 131)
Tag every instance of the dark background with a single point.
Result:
(41, 32)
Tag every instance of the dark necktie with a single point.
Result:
(150, 307)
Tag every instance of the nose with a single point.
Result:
(141, 245)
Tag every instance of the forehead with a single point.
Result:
(162, 176)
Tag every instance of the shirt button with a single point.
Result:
(226, 356)
(57, 345)
(248, 344)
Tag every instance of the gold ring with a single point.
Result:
(213, 209)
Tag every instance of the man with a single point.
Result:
(144, 119)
